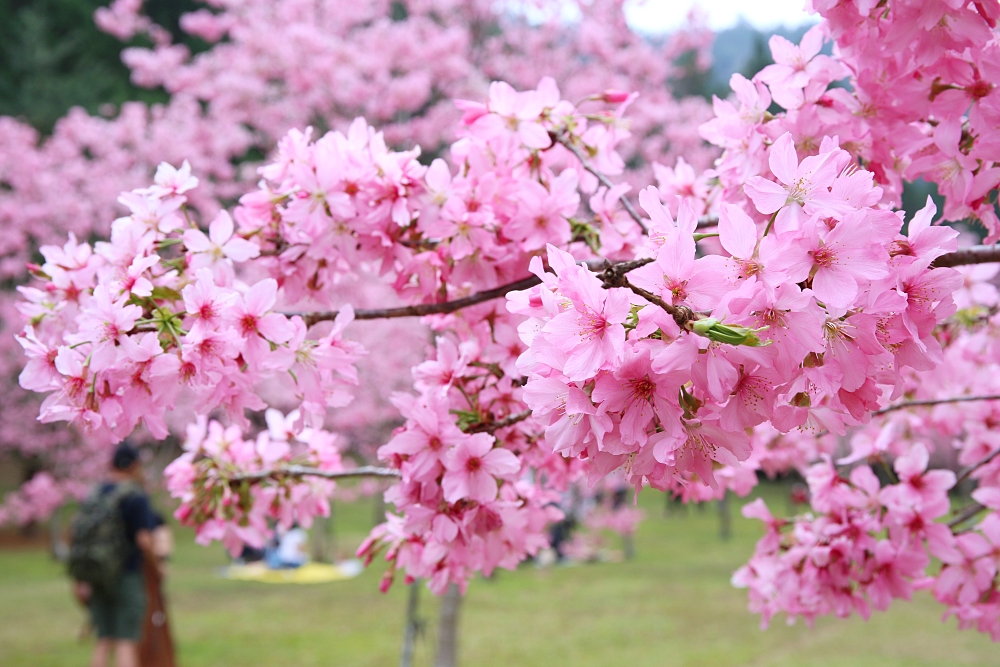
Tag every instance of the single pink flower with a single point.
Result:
(472, 469)
(802, 190)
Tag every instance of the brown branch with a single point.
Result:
(420, 310)
(978, 255)
(443, 307)
(935, 401)
(614, 276)
(966, 514)
(965, 472)
(492, 427)
(305, 471)
(604, 180)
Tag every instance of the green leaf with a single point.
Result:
(166, 294)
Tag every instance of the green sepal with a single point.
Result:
(730, 334)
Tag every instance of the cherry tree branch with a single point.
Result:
(975, 255)
(965, 472)
(502, 423)
(614, 276)
(935, 401)
(966, 514)
(305, 471)
(968, 256)
(422, 309)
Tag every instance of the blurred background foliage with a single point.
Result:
(53, 58)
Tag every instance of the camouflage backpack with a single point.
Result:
(99, 544)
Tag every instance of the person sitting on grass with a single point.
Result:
(112, 534)
(288, 550)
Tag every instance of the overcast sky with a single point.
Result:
(655, 16)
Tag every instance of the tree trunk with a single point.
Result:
(628, 543)
(412, 625)
(324, 541)
(447, 649)
(725, 517)
(378, 511)
(58, 546)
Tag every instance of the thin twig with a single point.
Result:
(966, 514)
(604, 180)
(965, 472)
(305, 471)
(976, 255)
(614, 276)
(423, 309)
(492, 427)
(935, 401)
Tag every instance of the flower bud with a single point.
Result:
(614, 96)
(731, 334)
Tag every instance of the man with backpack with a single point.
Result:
(111, 537)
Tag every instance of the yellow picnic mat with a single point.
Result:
(310, 573)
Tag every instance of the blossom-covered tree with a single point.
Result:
(761, 316)
(271, 66)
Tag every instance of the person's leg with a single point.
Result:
(101, 618)
(99, 658)
(130, 611)
(126, 653)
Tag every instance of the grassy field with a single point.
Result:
(670, 606)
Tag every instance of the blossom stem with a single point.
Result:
(770, 223)
(563, 139)
(935, 401)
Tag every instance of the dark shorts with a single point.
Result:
(120, 616)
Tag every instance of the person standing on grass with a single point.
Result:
(112, 535)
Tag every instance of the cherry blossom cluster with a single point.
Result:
(920, 104)
(801, 325)
(38, 498)
(212, 479)
(867, 546)
(332, 206)
(466, 503)
(836, 559)
(273, 66)
(116, 331)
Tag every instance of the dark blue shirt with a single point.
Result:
(137, 515)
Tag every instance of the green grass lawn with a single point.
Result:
(671, 605)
